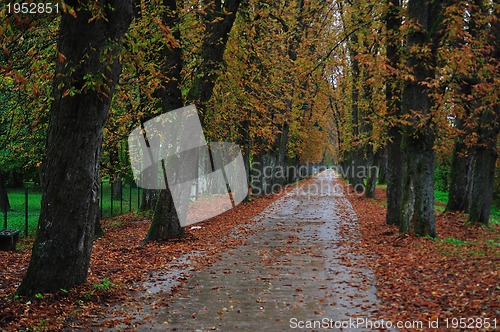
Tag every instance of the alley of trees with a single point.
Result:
(408, 86)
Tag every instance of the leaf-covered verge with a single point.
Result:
(420, 278)
(120, 264)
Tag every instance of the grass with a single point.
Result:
(495, 211)
(441, 196)
(16, 217)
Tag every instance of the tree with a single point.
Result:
(87, 70)
(393, 100)
(165, 224)
(417, 201)
(474, 50)
(218, 19)
(26, 69)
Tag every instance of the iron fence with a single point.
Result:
(24, 210)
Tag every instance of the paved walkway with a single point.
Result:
(296, 271)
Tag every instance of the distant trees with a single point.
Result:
(473, 30)
(440, 60)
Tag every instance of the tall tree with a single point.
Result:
(87, 70)
(393, 100)
(165, 224)
(417, 202)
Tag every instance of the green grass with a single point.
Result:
(441, 196)
(16, 218)
(495, 211)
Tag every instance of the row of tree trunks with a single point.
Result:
(473, 165)
(219, 19)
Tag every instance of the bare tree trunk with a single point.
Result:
(382, 165)
(219, 21)
(373, 173)
(117, 187)
(485, 153)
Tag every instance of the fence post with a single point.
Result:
(101, 197)
(111, 195)
(26, 209)
(130, 199)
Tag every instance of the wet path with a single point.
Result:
(297, 268)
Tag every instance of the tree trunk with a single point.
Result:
(117, 187)
(394, 177)
(357, 155)
(4, 197)
(417, 203)
(373, 174)
(486, 148)
(280, 174)
(69, 208)
(149, 199)
(460, 178)
(394, 161)
(165, 224)
(382, 165)
(257, 176)
(485, 156)
(98, 231)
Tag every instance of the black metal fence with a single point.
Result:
(24, 205)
